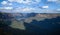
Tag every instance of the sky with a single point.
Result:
(28, 6)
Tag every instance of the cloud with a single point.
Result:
(38, 0)
(45, 6)
(28, 10)
(52, 0)
(25, 10)
(10, 4)
(58, 9)
(4, 2)
(57, 1)
(6, 8)
(20, 10)
(25, 2)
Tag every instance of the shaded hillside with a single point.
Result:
(44, 27)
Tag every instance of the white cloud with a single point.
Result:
(4, 2)
(24, 10)
(45, 6)
(25, 2)
(6, 8)
(53, 0)
(11, 0)
(35, 11)
(57, 1)
(38, 0)
(58, 9)
(28, 9)
(10, 4)
(20, 10)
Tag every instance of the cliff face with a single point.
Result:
(49, 25)
(44, 27)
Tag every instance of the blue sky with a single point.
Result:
(29, 5)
